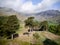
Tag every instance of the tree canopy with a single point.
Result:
(44, 24)
(30, 22)
(8, 25)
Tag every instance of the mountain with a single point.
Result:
(49, 15)
(8, 11)
(21, 16)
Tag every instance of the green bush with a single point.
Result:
(49, 42)
(36, 38)
(52, 28)
(58, 29)
(55, 29)
(36, 35)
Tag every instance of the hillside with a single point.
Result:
(8, 11)
(49, 15)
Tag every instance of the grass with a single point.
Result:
(19, 42)
(57, 41)
(42, 37)
(20, 28)
(13, 42)
(4, 41)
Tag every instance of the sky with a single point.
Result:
(31, 6)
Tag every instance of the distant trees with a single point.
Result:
(8, 25)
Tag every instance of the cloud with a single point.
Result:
(27, 6)
(10, 3)
(45, 4)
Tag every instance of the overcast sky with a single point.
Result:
(31, 6)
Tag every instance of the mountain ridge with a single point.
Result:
(8, 11)
(50, 15)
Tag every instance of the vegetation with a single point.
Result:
(3, 42)
(57, 41)
(58, 29)
(36, 39)
(8, 25)
(52, 28)
(55, 29)
(36, 36)
(49, 42)
(30, 22)
(44, 24)
(12, 42)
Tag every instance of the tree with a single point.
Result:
(36, 23)
(44, 24)
(55, 29)
(3, 21)
(9, 25)
(29, 22)
(52, 28)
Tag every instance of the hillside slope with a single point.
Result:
(8, 11)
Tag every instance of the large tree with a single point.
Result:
(29, 22)
(8, 25)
